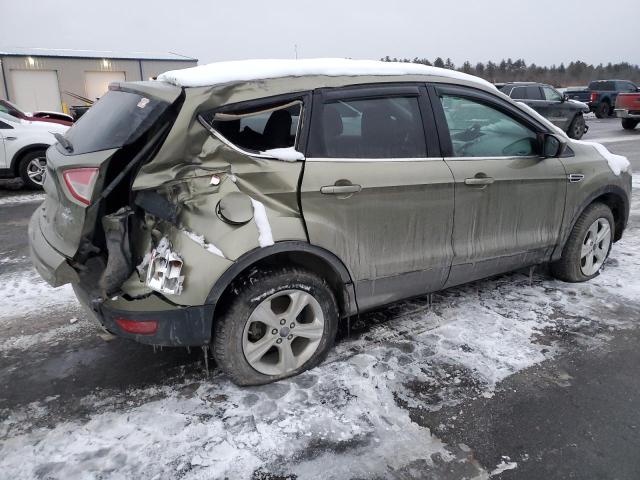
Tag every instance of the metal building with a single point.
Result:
(45, 79)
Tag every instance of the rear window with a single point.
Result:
(117, 119)
(601, 85)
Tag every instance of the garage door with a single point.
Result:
(97, 83)
(36, 90)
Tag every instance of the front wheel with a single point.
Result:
(32, 169)
(588, 245)
(280, 323)
(629, 123)
(577, 127)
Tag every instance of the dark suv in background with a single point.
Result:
(551, 104)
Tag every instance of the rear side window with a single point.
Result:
(259, 129)
(387, 127)
(519, 93)
(478, 130)
(117, 119)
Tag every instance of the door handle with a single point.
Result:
(10, 138)
(479, 181)
(340, 189)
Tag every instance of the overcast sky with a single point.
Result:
(540, 31)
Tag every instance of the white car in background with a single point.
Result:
(22, 148)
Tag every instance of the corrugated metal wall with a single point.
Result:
(71, 71)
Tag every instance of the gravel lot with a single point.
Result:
(501, 378)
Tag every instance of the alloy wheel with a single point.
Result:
(36, 169)
(283, 332)
(595, 246)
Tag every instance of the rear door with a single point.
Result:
(376, 191)
(509, 201)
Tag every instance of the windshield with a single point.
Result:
(117, 119)
(10, 108)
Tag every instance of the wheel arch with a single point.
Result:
(297, 253)
(612, 196)
(17, 157)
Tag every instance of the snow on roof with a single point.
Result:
(74, 53)
(248, 70)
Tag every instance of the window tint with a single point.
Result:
(601, 85)
(519, 93)
(117, 119)
(533, 93)
(626, 87)
(551, 94)
(260, 129)
(371, 128)
(478, 130)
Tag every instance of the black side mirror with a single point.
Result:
(552, 145)
(565, 98)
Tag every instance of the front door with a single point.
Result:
(372, 195)
(509, 202)
(559, 112)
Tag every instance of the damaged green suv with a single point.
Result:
(249, 206)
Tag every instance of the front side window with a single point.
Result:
(387, 127)
(551, 94)
(478, 130)
(259, 129)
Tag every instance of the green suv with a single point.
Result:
(250, 206)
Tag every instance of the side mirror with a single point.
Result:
(552, 146)
(565, 98)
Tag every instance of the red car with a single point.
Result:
(628, 109)
(42, 116)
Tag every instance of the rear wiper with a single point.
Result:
(64, 142)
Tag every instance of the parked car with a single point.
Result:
(601, 95)
(547, 101)
(628, 109)
(22, 148)
(250, 206)
(39, 116)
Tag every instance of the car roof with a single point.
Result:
(240, 71)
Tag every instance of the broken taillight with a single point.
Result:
(145, 327)
(80, 182)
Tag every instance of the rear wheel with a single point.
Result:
(603, 110)
(280, 323)
(629, 123)
(576, 129)
(32, 169)
(588, 245)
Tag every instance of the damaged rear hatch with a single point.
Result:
(89, 175)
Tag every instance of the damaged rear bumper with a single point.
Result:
(173, 327)
(50, 264)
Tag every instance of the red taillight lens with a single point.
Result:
(146, 327)
(593, 97)
(80, 182)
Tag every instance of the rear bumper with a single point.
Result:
(624, 113)
(176, 326)
(50, 264)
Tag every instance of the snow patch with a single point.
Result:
(617, 163)
(199, 239)
(249, 70)
(265, 237)
(18, 199)
(503, 466)
(289, 154)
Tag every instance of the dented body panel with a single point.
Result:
(198, 212)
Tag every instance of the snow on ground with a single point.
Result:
(348, 418)
(23, 198)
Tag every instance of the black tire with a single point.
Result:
(248, 292)
(576, 129)
(568, 268)
(629, 123)
(23, 168)
(603, 110)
